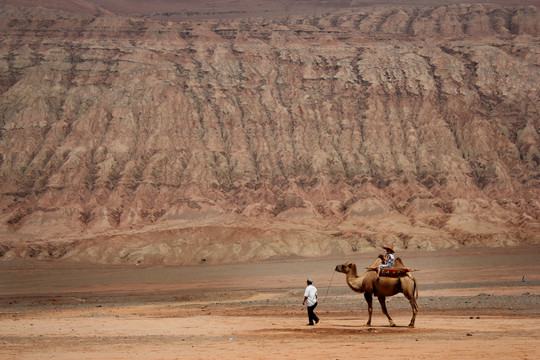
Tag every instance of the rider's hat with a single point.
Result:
(388, 248)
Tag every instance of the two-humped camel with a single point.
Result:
(368, 284)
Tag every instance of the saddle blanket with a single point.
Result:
(394, 272)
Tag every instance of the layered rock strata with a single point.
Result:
(128, 139)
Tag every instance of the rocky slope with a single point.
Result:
(129, 139)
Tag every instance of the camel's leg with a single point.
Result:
(414, 307)
(369, 300)
(382, 300)
(412, 299)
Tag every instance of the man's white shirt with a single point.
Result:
(311, 295)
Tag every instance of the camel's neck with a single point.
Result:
(354, 281)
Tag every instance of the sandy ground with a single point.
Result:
(473, 305)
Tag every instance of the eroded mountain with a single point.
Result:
(128, 139)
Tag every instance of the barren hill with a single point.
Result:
(130, 139)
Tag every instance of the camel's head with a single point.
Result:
(345, 268)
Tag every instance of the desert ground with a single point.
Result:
(473, 304)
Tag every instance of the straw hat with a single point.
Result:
(388, 248)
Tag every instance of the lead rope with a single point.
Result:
(328, 288)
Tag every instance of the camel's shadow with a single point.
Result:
(336, 330)
(373, 326)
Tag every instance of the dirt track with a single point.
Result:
(253, 311)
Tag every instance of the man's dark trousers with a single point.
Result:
(311, 315)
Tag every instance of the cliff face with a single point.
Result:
(125, 139)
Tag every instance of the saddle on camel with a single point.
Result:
(395, 272)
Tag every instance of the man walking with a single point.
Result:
(310, 299)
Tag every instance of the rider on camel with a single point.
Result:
(388, 259)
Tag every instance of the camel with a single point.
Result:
(368, 284)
